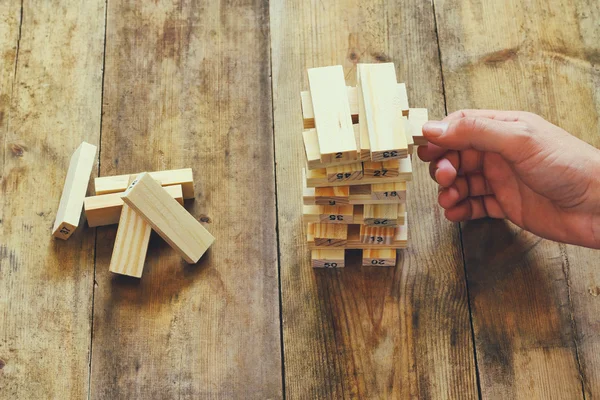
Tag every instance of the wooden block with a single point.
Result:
(399, 239)
(330, 258)
(168, 218)
(378, 257)
(76, 183)
(131, 244)
(330, 234)
(342, 173)
(385, 191)
(106, 209)
(309, 116)
(119, 183)
(333, 120)
(313, 155)
(376, 235)
(381, 214)
(387, 138)
(331, 196)
(357, 194)
(329, 214)
(417, 118)
(409, 132)
(318, 177)
(380, 169)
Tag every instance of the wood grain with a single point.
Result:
(187, 84)
(50, 100)
(534, 318)
(367, 332)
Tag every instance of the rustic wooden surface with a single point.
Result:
(215, 86)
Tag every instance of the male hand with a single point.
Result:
(516, 165)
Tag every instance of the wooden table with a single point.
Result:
(483, 309)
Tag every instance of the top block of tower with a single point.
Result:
(331, 109)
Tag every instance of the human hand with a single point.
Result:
(516, 165)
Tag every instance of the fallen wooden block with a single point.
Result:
(331, 258)
(76, 183)
(119, 183)
(342, 214)
(106, 209)
(378, 257)
(333, 235)
(399, 240)
(350, 172)
(333, 122)
(379, 169)
(386, 129)
(417, 118)
(131, 244)
(319, 177)
(353, 100)
(168, 218)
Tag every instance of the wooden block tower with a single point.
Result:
(358, 143)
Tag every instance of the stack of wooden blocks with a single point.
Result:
(138, 203)
(358, 143)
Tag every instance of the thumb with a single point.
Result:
(479, 133)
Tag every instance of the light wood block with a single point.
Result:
(333, 121)
(331, 196)
(417, 118)
(381, 236)
(329, 214)
(410, 142)
(106, 209)
(358, 194)
(333, 258)
(387, 138)
(379, 169)
(313, 155)
(76, 183)
(342, 173)
(353, 100)
(318, 177)
(382, 214)
(399, 239)
(387, 191)
(119, 183)
(131, 244)
(333, 235)
(168, 218)
(378, 257)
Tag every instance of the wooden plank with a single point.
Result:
(131, 244)
(351, 172)
(387, 191)
(357, 194)
(171, 221)
(367, 332)
(342, 214)
(119, 183)
(380, 169)
(525, 292)
(313, 155)
(354, 102)
(355, 214)
(106, 209)
(320, 177)
(387, 138)
(187, 85)
(416, 119)
(333, 258)
(362, 237)
(76, 184)
(379, 258)
(383, 214)
(50, 101)
(331, 196)
(333, 122)
(334, 235)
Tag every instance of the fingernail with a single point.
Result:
(435, 128)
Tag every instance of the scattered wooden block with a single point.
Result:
(378, 257)
(377, 83)
(381, 236)
(106, 209)
(353, 100)
(119, 183)
(380, 169)
(399, 239)
(329, 214)
(327, 235)
(382, 214)
(333, 121)
(168, 218)
(331, 258)
(318, 177)
(417, 118)
(131, 244)
(388, 191)
(342, 173)
(76, 183)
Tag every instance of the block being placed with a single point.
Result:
(387, 138)
(417, 118)
(106, 209)
(333, 121)
(333, 258)
(119, 183)
(131, 244)
(168, 218)
(76, 183)
(378, 257)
